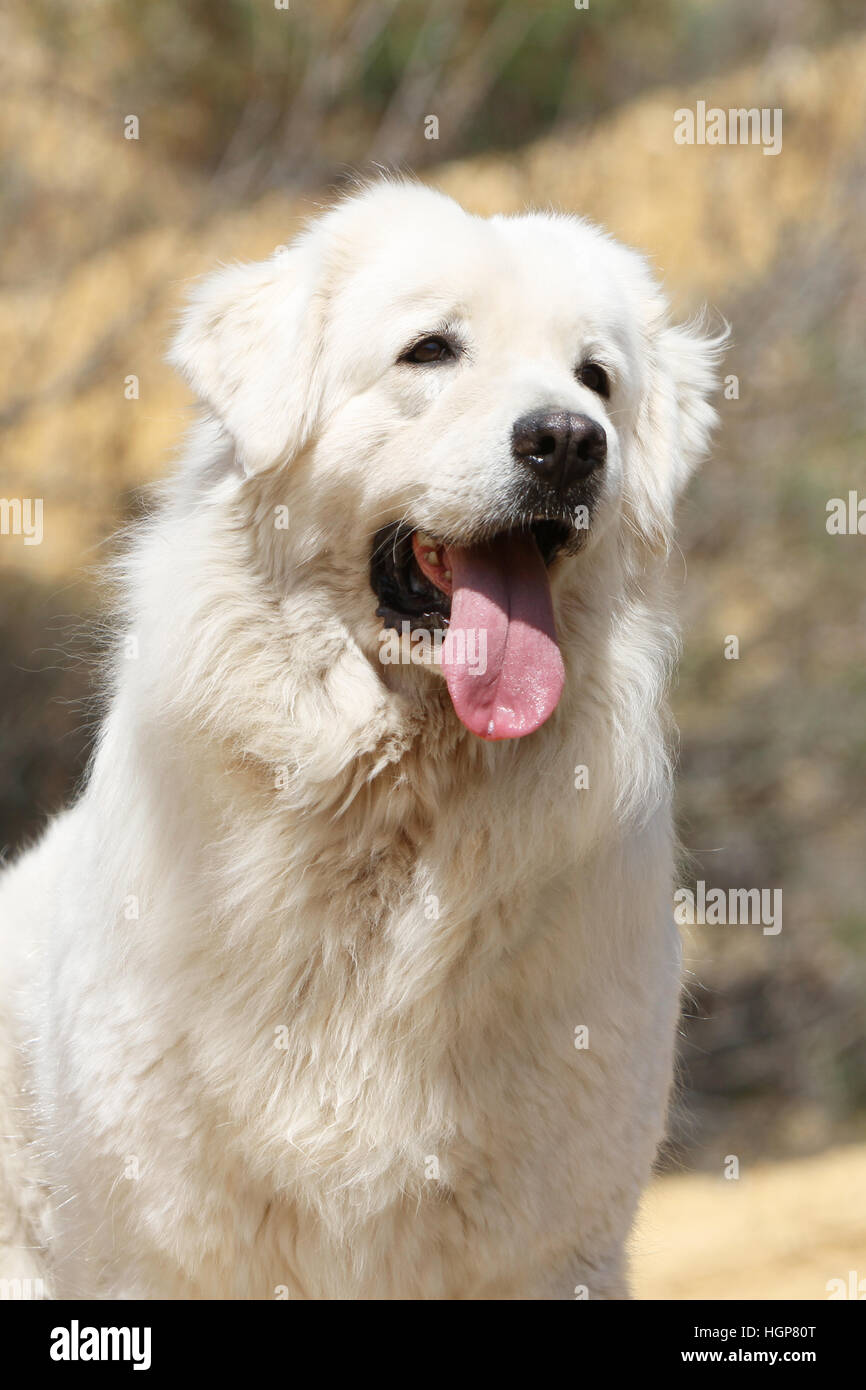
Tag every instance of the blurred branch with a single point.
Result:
(474, 79)
(398, 131)
(328, 75)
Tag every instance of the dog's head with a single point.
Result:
(461, 417)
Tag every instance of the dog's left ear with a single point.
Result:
(247, 347)
(687, 359)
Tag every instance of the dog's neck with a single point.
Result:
(290, 736)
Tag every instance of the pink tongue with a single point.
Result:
(501, 658)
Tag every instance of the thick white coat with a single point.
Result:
(292, 989)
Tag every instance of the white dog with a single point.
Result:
(352, 972)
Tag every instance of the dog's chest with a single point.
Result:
(412, 1027)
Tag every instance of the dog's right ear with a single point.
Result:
(247, 346)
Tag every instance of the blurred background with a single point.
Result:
(248, 117)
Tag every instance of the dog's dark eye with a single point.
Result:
(595, 377)
(433, 349)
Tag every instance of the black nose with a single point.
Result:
(560, 447)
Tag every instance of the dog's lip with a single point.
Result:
(404, 592)
(431, 557)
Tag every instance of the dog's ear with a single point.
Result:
(687, 358)
(247, 346)
(675, 419)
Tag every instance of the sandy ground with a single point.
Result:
(781, 1230)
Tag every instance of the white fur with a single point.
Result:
(365, 938)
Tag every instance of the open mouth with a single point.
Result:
(412, 578)
(490, 602)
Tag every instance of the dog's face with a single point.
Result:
(462, 412)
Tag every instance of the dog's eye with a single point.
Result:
(433, 349)
(595, 377)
